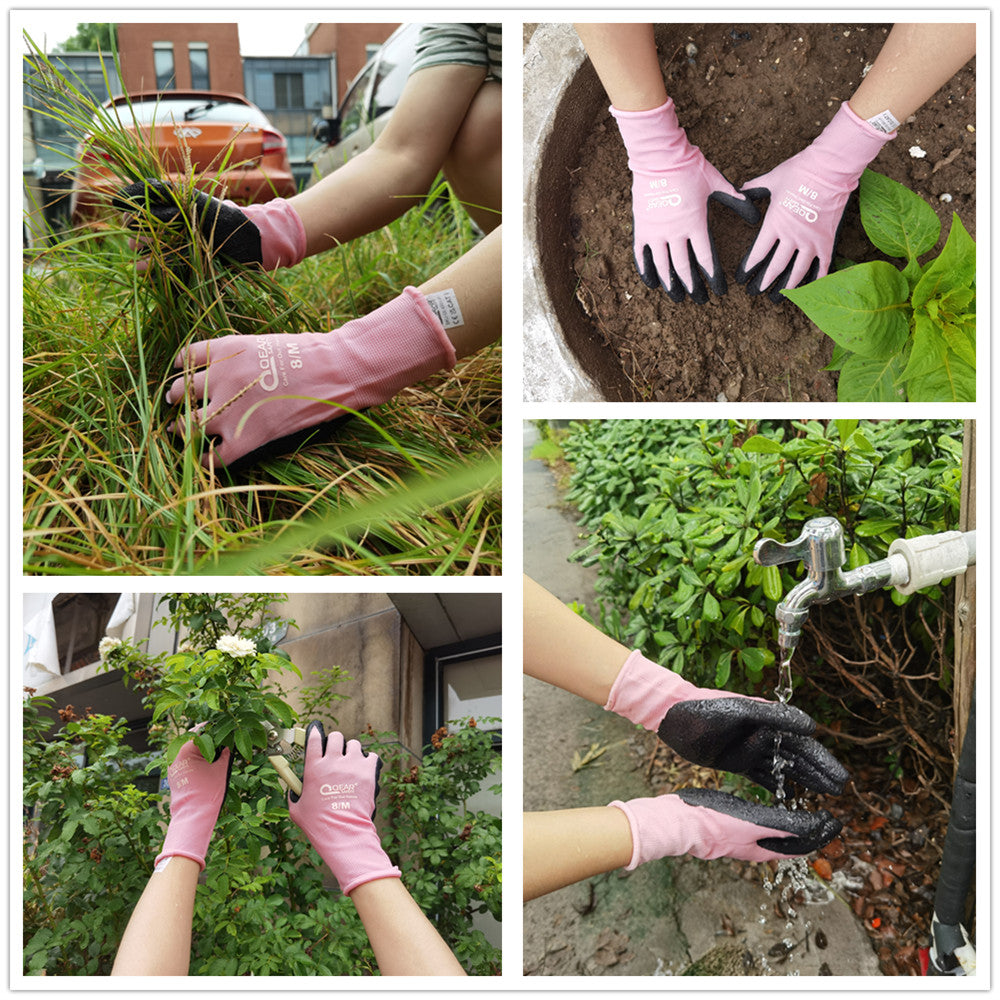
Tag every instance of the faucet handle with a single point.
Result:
(820, 546)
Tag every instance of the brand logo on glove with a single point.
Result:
(273, 355)
(663, 201)
(269, 379)
(797, 208)
(347, 789)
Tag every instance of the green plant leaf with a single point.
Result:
(771, 582)
(845, 428)
(206, 746)
(710, 610)
(898, 221)
(961, 339)
(762, 445)
(935, 373)
(722, 669)
(864, 309)
(753, 658)
(857, 556)
(174, 746)
(870, 380)
(954, 268)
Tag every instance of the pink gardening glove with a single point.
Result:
(336, 808)
(270, 235)
(808, 195)
(282, 235)
(723, 730)
(709, 824)
(197, 789)
(253, 391)
(672, 183)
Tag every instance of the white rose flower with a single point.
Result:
(106, 646)
(235, 645)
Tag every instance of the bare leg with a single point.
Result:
(472, 166)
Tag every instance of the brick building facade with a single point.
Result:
(350, 43)
(180, 56)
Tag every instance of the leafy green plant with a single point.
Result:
(94, 822)
(905, 334)
(673, 509)
(411, 487)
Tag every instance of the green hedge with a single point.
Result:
(672, 509)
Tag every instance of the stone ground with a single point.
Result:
(668, 914)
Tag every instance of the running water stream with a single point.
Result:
(793, 872)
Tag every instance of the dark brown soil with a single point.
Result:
(753, 95)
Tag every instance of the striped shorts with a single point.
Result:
(464, 44)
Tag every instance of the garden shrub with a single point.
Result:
(94, 822)
(672, 510)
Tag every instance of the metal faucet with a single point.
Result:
(821, 548)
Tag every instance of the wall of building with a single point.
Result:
(364, 635)
(349, 42)
(135, 47)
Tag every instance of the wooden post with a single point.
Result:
(965, 596)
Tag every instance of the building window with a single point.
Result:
(163, 64)
(289, 90)
(80, 621)
(198, 60)
(463, 681)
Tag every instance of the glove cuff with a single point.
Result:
(178, 853)
(397, 345)
(357, 859)
(848, 144)
(656, 815)
(282, 235)
(653, 139)
(184, 842)
(644, 691)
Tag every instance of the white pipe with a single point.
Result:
(933, 558)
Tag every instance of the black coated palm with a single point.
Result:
(228, 231)
(741, 734)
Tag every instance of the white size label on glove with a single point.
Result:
(884, 121)
(444, 305)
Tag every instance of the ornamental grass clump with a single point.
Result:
(411, 487)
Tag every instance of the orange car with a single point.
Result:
(195, 127)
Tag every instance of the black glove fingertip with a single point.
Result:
(316, 724)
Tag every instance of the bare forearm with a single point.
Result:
(563, 649)
(157, 940)
(365, 194)
(381, 183)
(405, 942)
(916, 60)
(567, 845)
(624, 57)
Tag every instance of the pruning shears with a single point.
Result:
(283, 746)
